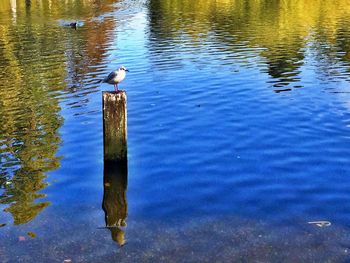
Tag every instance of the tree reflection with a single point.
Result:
(30, 120)
(278, 31)
(37, 57)
(115, 203)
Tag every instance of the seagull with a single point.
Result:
(115, 77)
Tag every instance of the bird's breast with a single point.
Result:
(119, 77)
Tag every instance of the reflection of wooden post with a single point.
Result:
(114, 203)
(114, 126)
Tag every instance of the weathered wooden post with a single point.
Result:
(114, 126)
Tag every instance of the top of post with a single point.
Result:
(114, 96)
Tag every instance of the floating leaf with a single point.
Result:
(31, 234)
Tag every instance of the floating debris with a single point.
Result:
(31, 234)
(320, 223)
(74, 24)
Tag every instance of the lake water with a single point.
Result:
(238, 131)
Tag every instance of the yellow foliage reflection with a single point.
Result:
(279, 31)
(38, 59)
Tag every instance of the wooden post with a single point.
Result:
(114, 126)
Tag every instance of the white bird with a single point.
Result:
(115, 77)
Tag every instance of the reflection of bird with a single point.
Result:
(115, 77)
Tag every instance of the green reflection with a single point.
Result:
(30, 120)
(277, 31)
(38, 60)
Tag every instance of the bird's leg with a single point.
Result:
(116, 88)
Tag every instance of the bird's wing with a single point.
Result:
(109, 77)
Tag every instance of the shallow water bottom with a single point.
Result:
(226, 239)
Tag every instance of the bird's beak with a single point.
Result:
(127, 70)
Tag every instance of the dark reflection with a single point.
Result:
(343, 41)
(28, 5)
(332, 51)
(115, 204)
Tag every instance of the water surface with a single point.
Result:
(238, 131)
